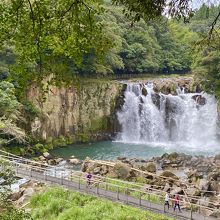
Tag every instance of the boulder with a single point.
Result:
(167, 187)
(58, 160)
(52, 162)
(217, 157)
(192, 191)
(47, 155)
(203, 184)
(144, 91)
(74, 161)
(216, 214)
(16, 195)
(203, 201)
(97, 170)
(200, 100)
(214, 186)
(150, 167)
(176, 190)
(205, 212)
(29, 192)
(121, 158)
(215, 175)
(121, 170)
(91, 166)
(104, 170)
(42, 158)
(169, 174)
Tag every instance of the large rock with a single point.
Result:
(215, 175)
(122, 170)
(192, 191)
(74, 161)
(203, 184)
(16, 195)
(214, 186)
(216, 214)
(176, 190)
(200, 100)
(150, 167)
(47, 155)
(217, 157)
(97, 170)
(169, 175)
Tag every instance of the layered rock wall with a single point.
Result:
(82, 113)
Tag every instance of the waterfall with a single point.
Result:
(186, 119)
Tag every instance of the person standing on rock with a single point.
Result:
(167, 198)
(177, 202)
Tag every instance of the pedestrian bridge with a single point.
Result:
(129, 193)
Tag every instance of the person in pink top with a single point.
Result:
(177, 202)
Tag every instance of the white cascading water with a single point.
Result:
(168, 119)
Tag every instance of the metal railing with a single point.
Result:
(114, 189)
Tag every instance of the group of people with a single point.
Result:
(175, 201)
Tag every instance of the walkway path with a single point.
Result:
(101, 188)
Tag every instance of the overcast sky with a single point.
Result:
(198, 3)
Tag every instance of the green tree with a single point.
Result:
(7, 209)
(9, 114)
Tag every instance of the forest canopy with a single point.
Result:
(70, 38)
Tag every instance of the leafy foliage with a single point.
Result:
(207, 70)
(143, 47)
(7, 209)
(44, 31)
(9, 114)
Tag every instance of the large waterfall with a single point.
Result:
(182, 120)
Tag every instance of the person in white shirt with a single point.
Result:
(167, 198)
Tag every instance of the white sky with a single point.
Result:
(198, 3)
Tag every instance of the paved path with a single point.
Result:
(124, 192)
(108, 194)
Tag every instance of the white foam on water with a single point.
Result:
(169, 121)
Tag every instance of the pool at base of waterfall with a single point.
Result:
(110, 150)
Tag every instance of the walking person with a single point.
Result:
(89, 179)
(166, 202)
(176, 202)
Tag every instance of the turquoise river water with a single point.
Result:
(108, 150)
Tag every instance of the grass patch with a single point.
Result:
(60, 204)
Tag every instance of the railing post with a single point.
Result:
(79, 182)
(140, 199)
(118, 193)
(106, 187)
(127, 195)
(61, 179)
(148, 196)
(191, 213)
(97, 188)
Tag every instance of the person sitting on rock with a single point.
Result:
(177, 202)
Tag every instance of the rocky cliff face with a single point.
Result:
(89, 112)
(83, 114)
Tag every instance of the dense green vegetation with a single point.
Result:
(103, 40)
(9, 114)
(7, 209)
(60, 204)
(143, 47)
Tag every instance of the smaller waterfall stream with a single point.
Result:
(185, 120)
